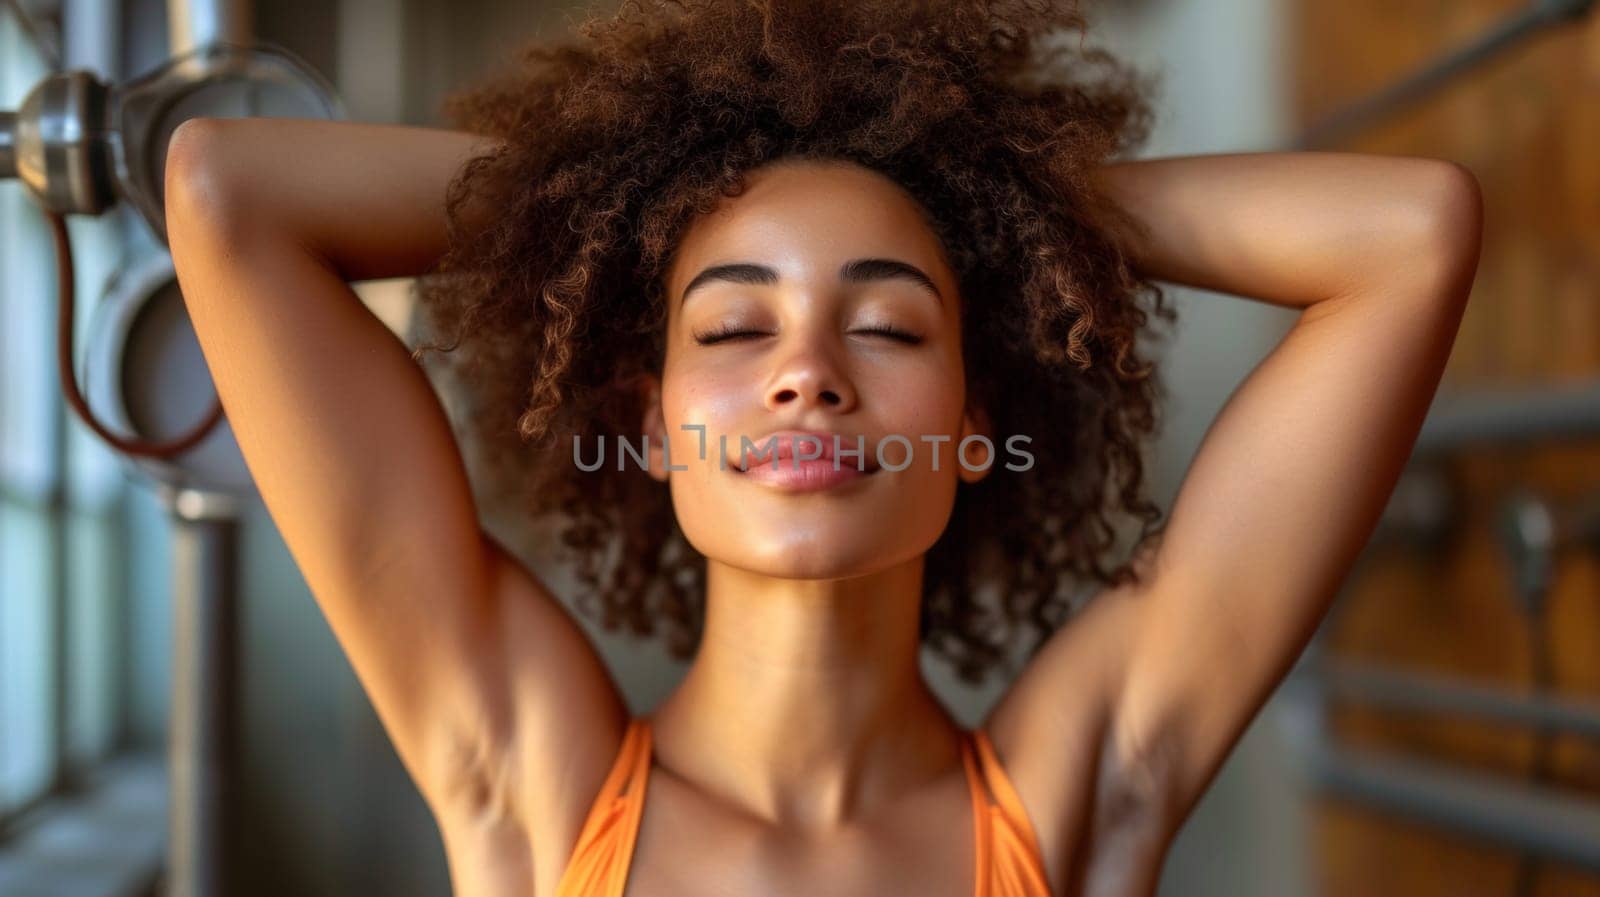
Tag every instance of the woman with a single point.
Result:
(744, 220)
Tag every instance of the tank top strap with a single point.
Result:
(1000, 783)
(598, 866)
(1009, 861)
(982, 821)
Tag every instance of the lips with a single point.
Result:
(787, 442)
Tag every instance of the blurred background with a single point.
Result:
(1441, 736)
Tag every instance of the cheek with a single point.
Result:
(713, 403)
(927, 404)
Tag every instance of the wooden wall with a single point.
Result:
(1528, 125)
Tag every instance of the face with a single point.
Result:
(785, 341)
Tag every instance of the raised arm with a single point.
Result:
(462, 652)
(1289, 481)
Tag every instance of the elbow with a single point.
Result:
(1452, 238)
(193, 186)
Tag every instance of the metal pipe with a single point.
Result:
(1511, 417)
(1544, 822)
(204, 677)
(195, 23)
(1432, 694)
(1536, 17)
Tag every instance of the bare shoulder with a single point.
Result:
(1054, 728)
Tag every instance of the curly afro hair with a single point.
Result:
(612, 141)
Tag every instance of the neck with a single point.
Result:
(805, 704)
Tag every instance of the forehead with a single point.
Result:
(805, 218)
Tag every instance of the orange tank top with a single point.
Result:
(1008, 859)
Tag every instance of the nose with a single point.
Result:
(810, 376)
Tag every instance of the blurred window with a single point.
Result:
(62, 629)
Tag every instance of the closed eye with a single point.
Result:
(895, 333)
(733, 333)
(724, 335)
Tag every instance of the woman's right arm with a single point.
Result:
(460, 649)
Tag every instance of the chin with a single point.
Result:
(825, 557)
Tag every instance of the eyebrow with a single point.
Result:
(853, 271)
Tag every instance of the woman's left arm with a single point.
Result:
(1290, 479)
